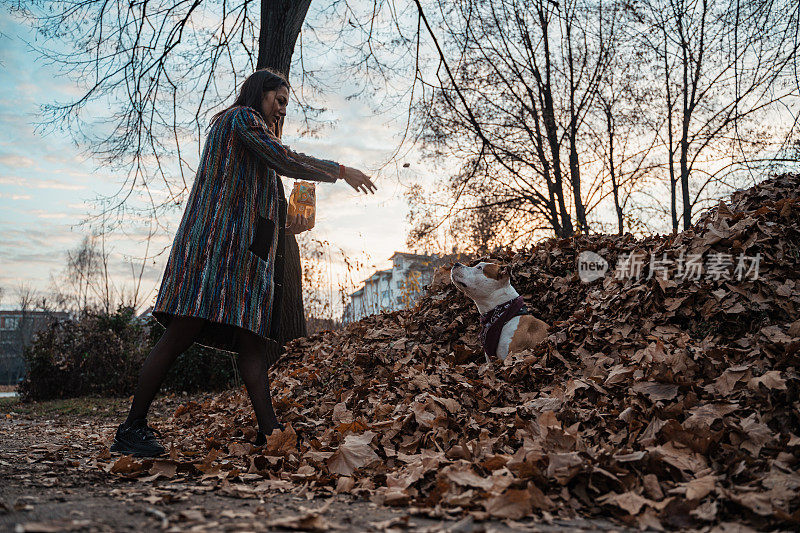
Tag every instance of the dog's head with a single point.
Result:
(481, 280)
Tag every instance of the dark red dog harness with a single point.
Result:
(492, 323)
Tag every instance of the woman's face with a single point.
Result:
(273, 105)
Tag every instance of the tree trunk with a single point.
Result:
(612, 170)
(281, 21)
(574, 166)
(673, 200)
(548, 115)
(687, 204)
(545, 88)
(575, 177)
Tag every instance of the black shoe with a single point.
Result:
(137, 439)
(261, 437)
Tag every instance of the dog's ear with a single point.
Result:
(497, 271)
(504, 272)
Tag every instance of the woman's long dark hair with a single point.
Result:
(253, 89)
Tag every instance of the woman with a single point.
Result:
(223, 280)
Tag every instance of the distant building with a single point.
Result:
(17, 329)
(392, 289)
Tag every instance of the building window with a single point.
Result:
(10, 322)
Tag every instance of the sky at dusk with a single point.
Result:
(49, 186)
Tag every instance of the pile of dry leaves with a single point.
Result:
(667, 400)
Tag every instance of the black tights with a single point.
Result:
(179, 336)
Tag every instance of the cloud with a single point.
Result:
(16, 196)
(16, 161)
(41, 213)
(40, 184)
(55, 184)
(36, 235)
(28, 88)
(12, 180)
(36, 257)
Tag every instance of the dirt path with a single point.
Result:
(50, 483)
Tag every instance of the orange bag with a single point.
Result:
(303, 201)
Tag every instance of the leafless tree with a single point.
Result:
(619, 126)
(86, 282)
(135, 296)
(326, 289)
(514, 106)
(729, 89)
(151, 71)
(26, 296)
(554, 107)
(26, 300)
(83, 269)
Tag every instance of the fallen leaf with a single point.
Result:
(563, 466)
(699, 488)
(165, 469)
(630, 502)
(126, 465)
(352, 454)
(771, 379)
(513, 504)
(282, 442)
(657, 391)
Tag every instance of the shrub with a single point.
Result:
(101, 354)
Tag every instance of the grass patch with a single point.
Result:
(83, 406)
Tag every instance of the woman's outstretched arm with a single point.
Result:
(252, 130)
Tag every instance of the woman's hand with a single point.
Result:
(297, 224)
(358, 180)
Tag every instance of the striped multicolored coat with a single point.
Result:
(226, 260)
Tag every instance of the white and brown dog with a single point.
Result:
(507, 326)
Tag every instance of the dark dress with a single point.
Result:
(229, 245)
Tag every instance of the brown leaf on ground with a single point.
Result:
(352, 454)
(699, 488)
(771, 380)
(513, 504)
(126, 465)
(563, 466)
(304, 522)
(657, 391)
(629, 502)
(282, 442)
(165, 469)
